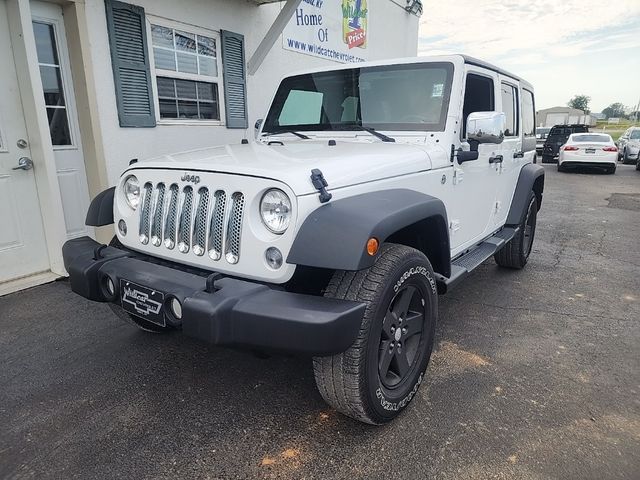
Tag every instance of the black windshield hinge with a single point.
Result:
(321, 185)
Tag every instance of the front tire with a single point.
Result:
(378, 376)
(515, 253)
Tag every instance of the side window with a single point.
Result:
(510, 109)
(478, 97)
(301, 108)
(528, 114)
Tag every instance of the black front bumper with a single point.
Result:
(228, 311)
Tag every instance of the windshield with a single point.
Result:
(635, 134)
(591, 138)
(393, 97)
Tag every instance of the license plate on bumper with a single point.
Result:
(589, 150)
(143, 302)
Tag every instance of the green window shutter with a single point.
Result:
(235, 87)
(130, 62)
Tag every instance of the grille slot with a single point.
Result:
(234, 228)
(145, 214)
(184, 227)
(170, 221)
(200, 222)
(205, 221)
(216, 229)
(156, 222)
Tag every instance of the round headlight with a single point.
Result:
(131, 189)
(275, 209)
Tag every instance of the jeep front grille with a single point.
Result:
(196, 222)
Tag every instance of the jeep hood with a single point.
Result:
(343, 164)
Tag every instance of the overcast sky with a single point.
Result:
(563, 47)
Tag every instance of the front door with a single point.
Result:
(23, 251)
(475, 182)
(59, 97)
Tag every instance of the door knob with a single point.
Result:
(24, 163)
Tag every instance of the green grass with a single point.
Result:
(615, 130)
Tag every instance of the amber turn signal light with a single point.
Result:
(372, 246)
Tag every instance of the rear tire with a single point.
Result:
(611, 170)
(515, 253)
(378, 376)
(547, 159)
(638, 163)
(561, 168)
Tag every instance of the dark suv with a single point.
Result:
(557, 137)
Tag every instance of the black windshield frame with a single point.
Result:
(308, 82)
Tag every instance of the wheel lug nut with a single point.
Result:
(393, 329)
(404, 330)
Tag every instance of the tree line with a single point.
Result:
(614, 110)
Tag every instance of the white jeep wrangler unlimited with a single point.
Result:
(368, 191)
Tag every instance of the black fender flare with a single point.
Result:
(335, 235)
(531, 178)
(100, 211)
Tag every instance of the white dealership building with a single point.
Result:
(88, 85)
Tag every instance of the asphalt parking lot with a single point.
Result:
(536, 374)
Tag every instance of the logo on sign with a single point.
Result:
(141, 301)
(354, 23)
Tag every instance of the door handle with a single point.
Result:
(24, 163)
(496, 159)
(518, 154)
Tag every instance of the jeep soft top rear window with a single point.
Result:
(391, 97)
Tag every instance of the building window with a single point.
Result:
(187, 74)
(47, 52)
(187, 99)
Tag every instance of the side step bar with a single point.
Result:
(470, 260)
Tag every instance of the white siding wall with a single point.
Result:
(392, 33)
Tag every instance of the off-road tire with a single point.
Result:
(351, 381)
(516, 252)
(134, 320)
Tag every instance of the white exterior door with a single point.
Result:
(23, 249)
(510, 104)
(55, 72)
(476, 182)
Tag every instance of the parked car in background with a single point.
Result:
(541, 136)
(629, 146)
(588, 150)
(557, 137)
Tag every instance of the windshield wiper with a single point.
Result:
(297, 134)
(374, 132)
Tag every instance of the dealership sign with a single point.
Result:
(332, 29)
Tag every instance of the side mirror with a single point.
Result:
(486, 127)
(256, 127)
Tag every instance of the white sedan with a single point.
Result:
(588, 150)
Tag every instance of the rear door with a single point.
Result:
(511, 148)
